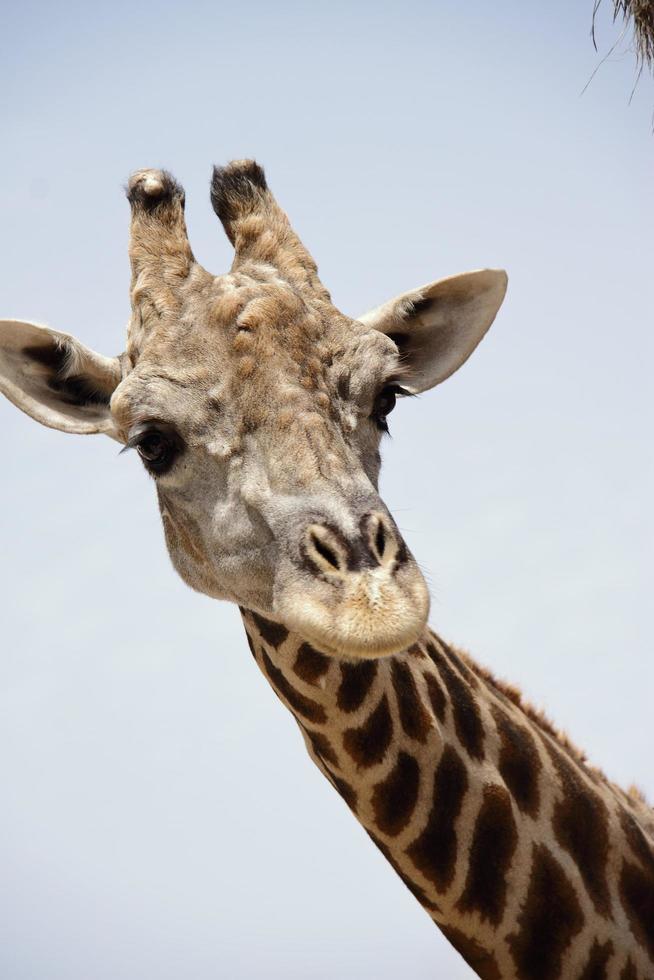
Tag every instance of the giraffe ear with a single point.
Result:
(57, 380)
(437, 327)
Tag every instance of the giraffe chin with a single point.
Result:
(364, 624)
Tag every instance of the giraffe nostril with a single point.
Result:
(330, 552)
(379, 539)
(325, 551)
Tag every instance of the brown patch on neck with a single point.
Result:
(598, 962)
(495, 835)
(457, 660)
(346, 791)
(637, 895)
(298, 703)
(550, 919)
(637, 841)
(310, 665)
(415, 889)
(467, 719)
(273, 633)
(322, 747)
(368, 744)
(437, 697)
(519, 762)
(413, 715)
(580, 823)
(395, 798)
(356, 682)
(434, 851)
(629, 971)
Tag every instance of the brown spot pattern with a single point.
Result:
(413, 716)
(580, 824)
(322, 747)
(637, 841)
(346, 791)
(480, 960)
(434, 851)
(368, 744)
(436, 695)
(309, 709)
(598, 960)
(460, 665)
(494, 841)
(310, 664)
(551, 917)
(467, 720)
(637, 893)
(250, 644)
(519, 762)
(273, 633)
(356, 681)
(394, 799)
(415, 889)
(629, 971)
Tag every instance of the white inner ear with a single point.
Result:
(437, 326)
(27, 382)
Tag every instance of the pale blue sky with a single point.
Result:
(159, 816)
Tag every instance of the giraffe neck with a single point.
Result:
(531, 863)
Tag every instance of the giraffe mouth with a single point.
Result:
(372, 614)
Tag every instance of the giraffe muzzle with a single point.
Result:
(357, 594)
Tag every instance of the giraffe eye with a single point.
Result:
(384, 405)
(157, 446)
(153, 448)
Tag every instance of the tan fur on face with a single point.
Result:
(270, 389)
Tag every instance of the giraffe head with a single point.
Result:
(258, 409)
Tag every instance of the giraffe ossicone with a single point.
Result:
(258, 408)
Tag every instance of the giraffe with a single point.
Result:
(258, 409)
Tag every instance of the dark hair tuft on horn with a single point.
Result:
(237, 190)
(148, 189)
(257, 227)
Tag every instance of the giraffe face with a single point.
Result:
(259, 412)
(258, 409)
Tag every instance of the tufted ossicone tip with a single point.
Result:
(257, 227)
(159, 251)
(150, 189)
(238, 190)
